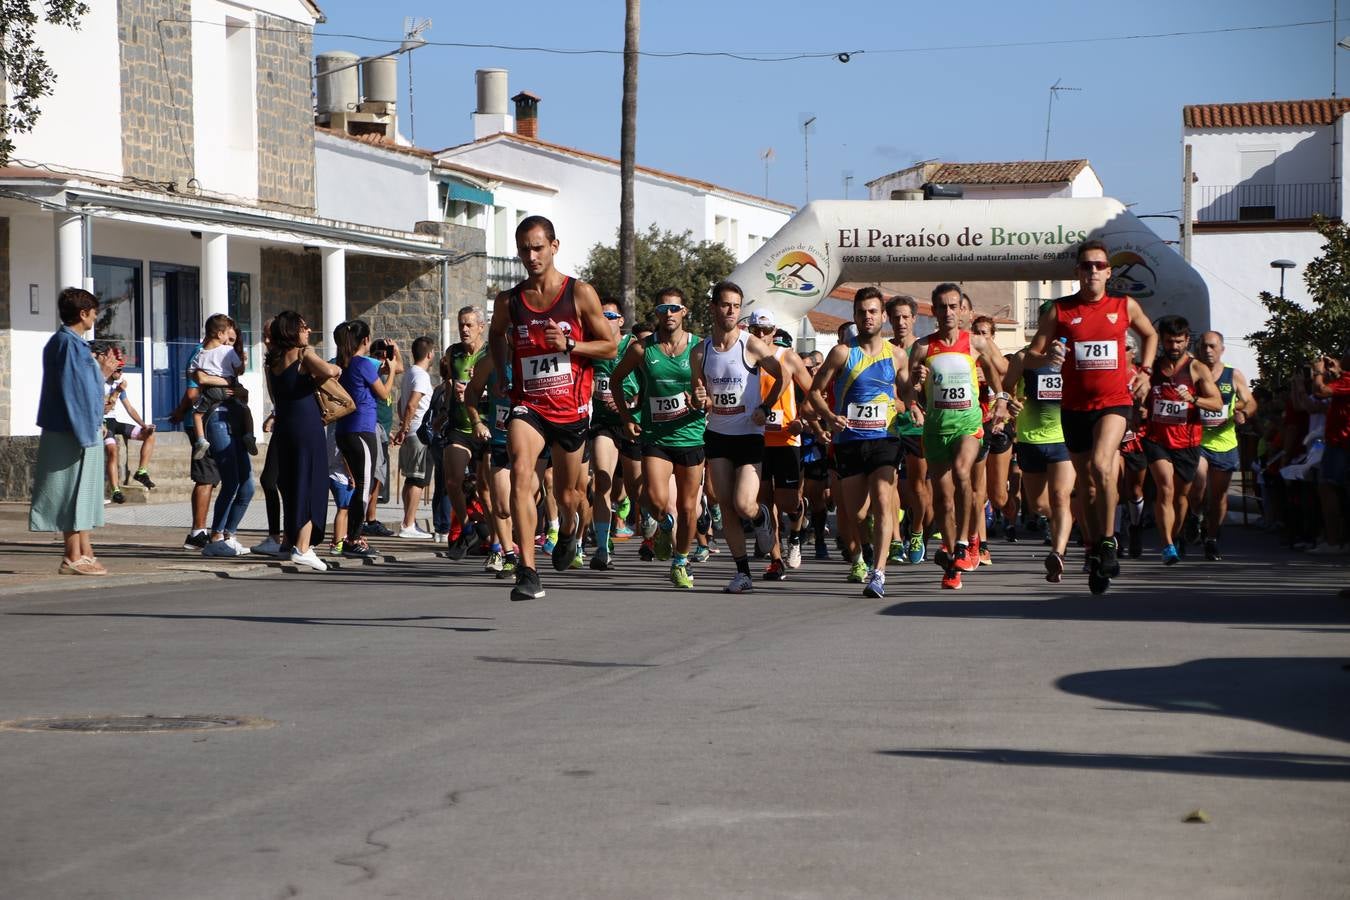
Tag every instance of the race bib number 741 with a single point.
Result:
(547, 372)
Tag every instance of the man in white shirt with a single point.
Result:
(414, 457)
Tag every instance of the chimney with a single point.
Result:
(527, 115)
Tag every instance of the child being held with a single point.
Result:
(220, 360)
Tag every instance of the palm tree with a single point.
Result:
(627, 158)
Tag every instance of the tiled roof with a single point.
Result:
(1009, 172)
(375, 140)
(1265, 113)
(585, 154)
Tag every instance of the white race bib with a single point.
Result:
(547, 372)
(503, 413)
(1214, 419)
(728, 403)
(1171, 412)
(1049, 386)
(874, 416)
(775, 420)
(1096, 355)
(953, 396)
(667, 409)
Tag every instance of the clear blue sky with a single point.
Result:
(711, 118)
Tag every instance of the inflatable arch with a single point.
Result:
(831, 242)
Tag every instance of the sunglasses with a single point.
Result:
(612, 315)
(664, 308)
(1099, 265)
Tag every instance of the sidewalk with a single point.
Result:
(143, 544)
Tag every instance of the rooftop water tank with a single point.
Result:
(379, 77)
(491, 92)
(338, 91)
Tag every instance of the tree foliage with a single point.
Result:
(23, 64)
(664, 259)
(1293, 335)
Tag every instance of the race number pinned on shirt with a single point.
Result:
(874, 416)
(1170, 412)
(602, 388)
(667, 409)
(775, 420)
(547, 372)
(728, 403)
(1214, 418)
(1096, 355)
(1049, 386)
(503, 413)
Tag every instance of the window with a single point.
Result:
(117, 284)
(241, 310)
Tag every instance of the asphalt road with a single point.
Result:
(621, 740)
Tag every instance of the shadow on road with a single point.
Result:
(1223, 764)
(345, 621)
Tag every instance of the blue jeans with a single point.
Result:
(236, 474)
(441, 510)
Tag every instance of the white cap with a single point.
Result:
(762, 318)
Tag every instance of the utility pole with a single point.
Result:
(412, 39)
(1054, 92)
(808, 126)
(627, 163)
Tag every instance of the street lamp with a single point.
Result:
(1282, 265)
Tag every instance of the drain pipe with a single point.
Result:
(445, 303)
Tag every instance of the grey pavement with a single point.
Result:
(619, 739)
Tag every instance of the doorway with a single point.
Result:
(175, 312)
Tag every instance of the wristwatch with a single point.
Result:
(571, 344)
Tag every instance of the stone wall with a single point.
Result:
(6, 378)
(291, 281)
(18, 462)
(285, 114)
(397, 298)
(468, 269)
(157, 132)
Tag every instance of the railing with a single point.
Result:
(1265, 202)
(504, 272)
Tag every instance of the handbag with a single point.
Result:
(334, 401)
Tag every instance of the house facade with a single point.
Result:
(173, 173)
(1259, 172)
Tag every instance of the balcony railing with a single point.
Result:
(503, 272)
(1265, 202)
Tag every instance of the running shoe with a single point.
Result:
(680, 577)
(794, 555)
(622, 533)
(649, 526)
(357, 550)
(579, 560)
(495, 561)
(1170, 557)
(602, 562)
(144, 478)
(413, 533)
(1010, 533)
(875, 587)
(1108, 555)
(1054, 567)
(119, 497)
(309, 559)
(196, 540)
(663, 543)
(822, 551)
(269, 547)
(764, 530)
(509, 563)
(647, 550)
(1212, 551)
(775, 571)
(716, 517)
(985, 558)
(917, 548)
(740, 583)
(964, 560)
(1191, 533)
(527, 585)
(624, 508)
(700, 553)
(897, 554)
(1136, 541)
(550, 541)
(564, 552)
(376, 529)
(335, 548)
(857, 573)
(951, 580)
(219, 549)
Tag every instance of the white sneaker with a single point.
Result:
(794, 556)
(219, 549)
(741, 583)
(438, 537)
(239, 549)
(764, 533)
(201, 448)
(309, 558)
(269, 547)
(1325, 549)
(413, 533)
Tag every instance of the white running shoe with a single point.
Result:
(309, 558)
(794, 556)
(413, 533)
(269, 547)
(1326, 549)
(239, 549)
(219, 549)
(764, 532)
(741, 583)
(876, 585)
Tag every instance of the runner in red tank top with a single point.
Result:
(547, 328)
(1180, 387)
(1097, 392)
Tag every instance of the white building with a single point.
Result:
(1260, 172)
(172, 172)
(579, 190)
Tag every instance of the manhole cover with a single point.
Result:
(134, 724)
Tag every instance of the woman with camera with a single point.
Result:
(367, 381)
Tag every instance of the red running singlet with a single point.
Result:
(552, 383)
(1096, 369)
(1172, 422)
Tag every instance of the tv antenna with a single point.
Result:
(1055, 90)
(767, 156)
(808, 127)
(413, 26)
(848, 179)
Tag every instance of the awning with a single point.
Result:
(458, 190)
